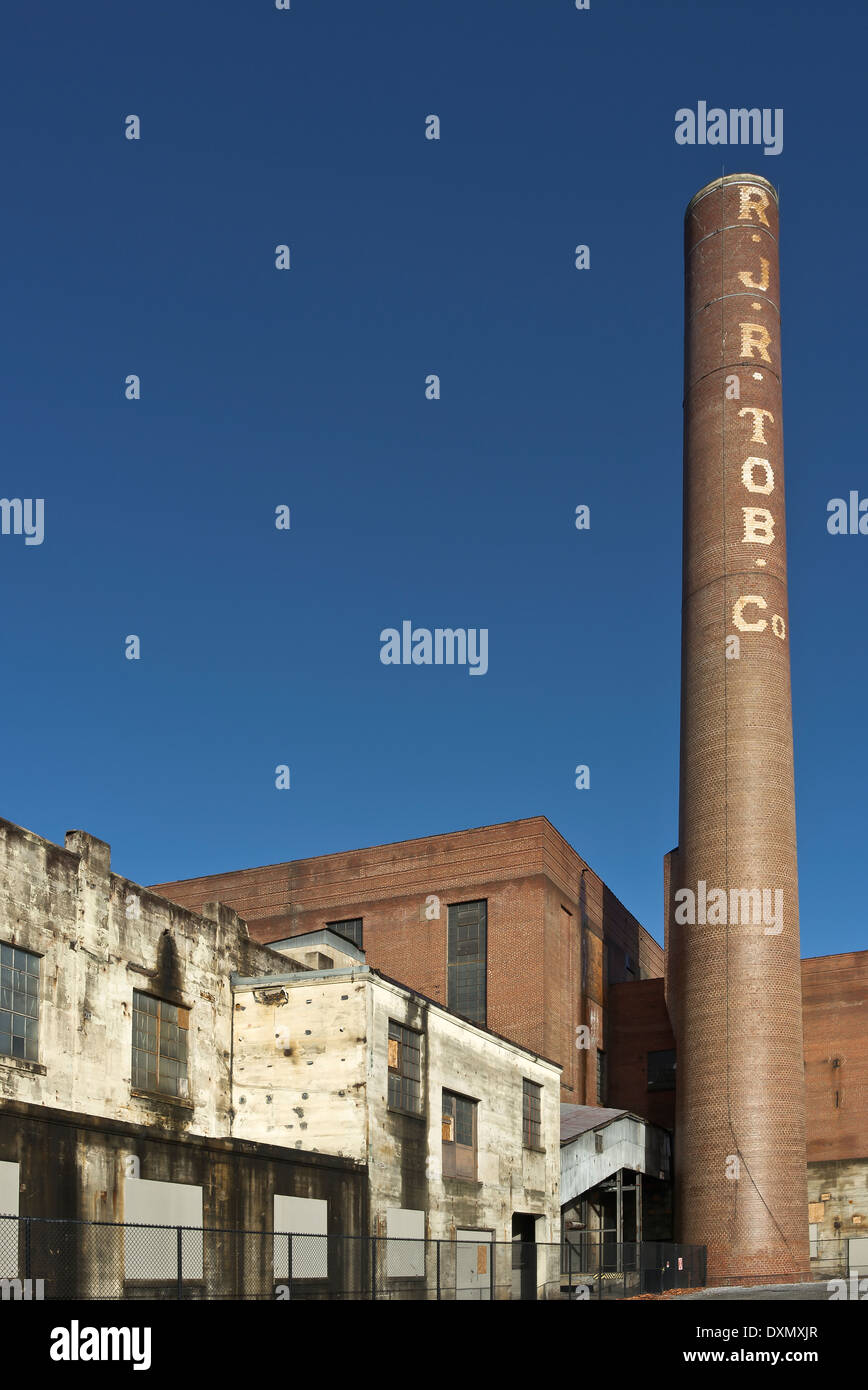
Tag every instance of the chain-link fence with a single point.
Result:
(612, 1270)
(595, 1268)
(66, 1259)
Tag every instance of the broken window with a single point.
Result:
(19, 1003)
(459, 1136)
(405, 1068)
(160, 1048)
(532, 1114)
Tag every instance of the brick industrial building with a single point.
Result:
(159, 1069)
(559, 950)
(510, 927)
(506, 924)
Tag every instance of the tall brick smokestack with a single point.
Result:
(734, 981)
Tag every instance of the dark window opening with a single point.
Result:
(466, 959)
(531, 1114)
(661, 1070)
(601, 1077)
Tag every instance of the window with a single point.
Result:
(601, 1076)
(10, 1183)
(350, 928)
(661, 1070)
(459, 1136)
(466, 954)
(19, 1003)
(405, 1243)
(159, 1045)
(153, 1254)
(532, 1114)
(306, 1219)
(405, 1068)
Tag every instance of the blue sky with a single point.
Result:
(307, 388)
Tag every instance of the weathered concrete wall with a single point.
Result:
(101, 937)
(466, 1060)
(300, 1064)
(842, 1216)
(311, 1069)
(81, 1168)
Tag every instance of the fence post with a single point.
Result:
(438, 1271)
(289, 1267)
(180, 1243)
(27, 1268)
(373, 1268)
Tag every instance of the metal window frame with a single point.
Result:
(29, 1042)
(398, 1071)
(531, 1101)
(457, 989)
(176, 1061)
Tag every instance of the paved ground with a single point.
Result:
(774, 1293)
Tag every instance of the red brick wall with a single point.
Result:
(835, 1024)
(835, 1021)
(539, 893)
(639, 1024)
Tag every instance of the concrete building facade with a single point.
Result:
(506, 923)
(157, 1066)
(459, 1129)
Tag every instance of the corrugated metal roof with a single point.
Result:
(577, 1119)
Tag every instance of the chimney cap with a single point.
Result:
(731, 178)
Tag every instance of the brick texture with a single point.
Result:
(735, 989)
(557, 936)
(835, 995)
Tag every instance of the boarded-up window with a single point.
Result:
(306, 1218)
(9, 1189)
(459, 1136)
(405, 1246)
(151, 1251)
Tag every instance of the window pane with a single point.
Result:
(466, 959)
(349, 927)
(405, 1067)
(19, 1002)
(159, 1061)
